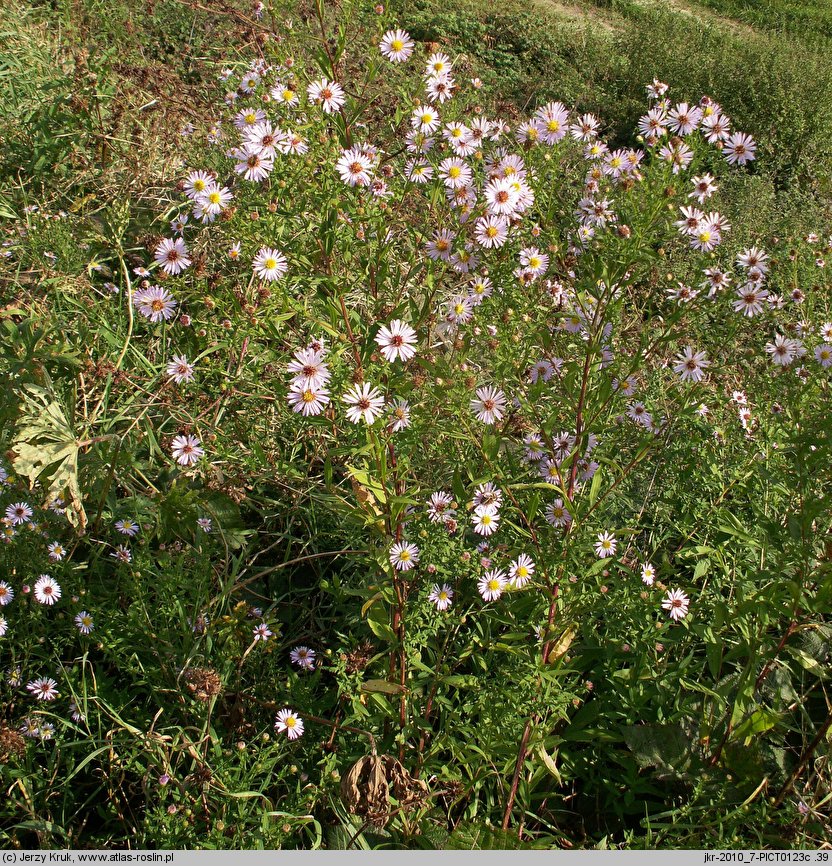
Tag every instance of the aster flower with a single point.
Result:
(4, 626)
(288, 721)
(521, 570)
(127, 527)
(782, 351)
(43, 689)
(309, 368)
(18, 512)
(205, 524)
(186, 450)
(489, 404)
(6, 594)
(492, 584)
(396, 46)
(648, 573)
(155, 303)
(486, 519)
(354, 167)
(253, 163)
(690, 365)
(557, 514)
(308, 401)
(404, 556)
(400, 415)
(605, 545)
(397, 341)
(365, 403)
(303, 657)
(122, 554)
(214, 199)
(739, 149)
(172, 256)
(197, 182)
(56, 551)
(180, 369)
(676, 604)
(47, 590)
(328, 94)
(269, 264)
(441, 596)
(84, 622)
(262, 632)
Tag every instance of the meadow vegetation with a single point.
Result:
(415, 438)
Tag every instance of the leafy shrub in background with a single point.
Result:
(417, 474)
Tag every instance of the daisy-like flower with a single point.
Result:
(122, 554)
(56, 551)
(355, 167)
(605, 545)
(501, 196)
(676, 604)
(6, 594)
(265, 137)
(4, 626)
(460, 310)
(303, 657)
(18, 512)
(127, 527)
(284, 95)
(750, 300)
(396, 46)
(521, 570)
(488, 494)
(438, 64)
(486, 519)
(782, 351)
(397, 341)
(703, 187)
(269, 264)
(440, 88)
(739, 149)
(196, 183)
(716, 127)
(455, 172)
(491, 231)
(204, 523)
(439, 506)
(492, 584)
(328, 94)
(825, 331)
(823, 355)
(186, 450)
(648, 573)
(404, 556)
(557, 515)
(155, 303)
(753, 259)
(425, 119)
(262, 632)
(46, 589)
(684, 118)
(180, 369)
(308, 401)
(75, 712)
(400, 415)
(172, 256)
(441, 596)
(365, 403)
(440, 245)
(489, 404)
(43, 689)
(84, 623)
(253, 163)
(310, 370)
(690, 365)
(290, 722)
(418, 170)
(214, 199)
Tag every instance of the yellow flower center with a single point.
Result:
(291, 722)
(404, 556)
(397, 45)
(493, 584)
(454, 172)
(270, 264)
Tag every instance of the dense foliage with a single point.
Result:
(415, 474)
